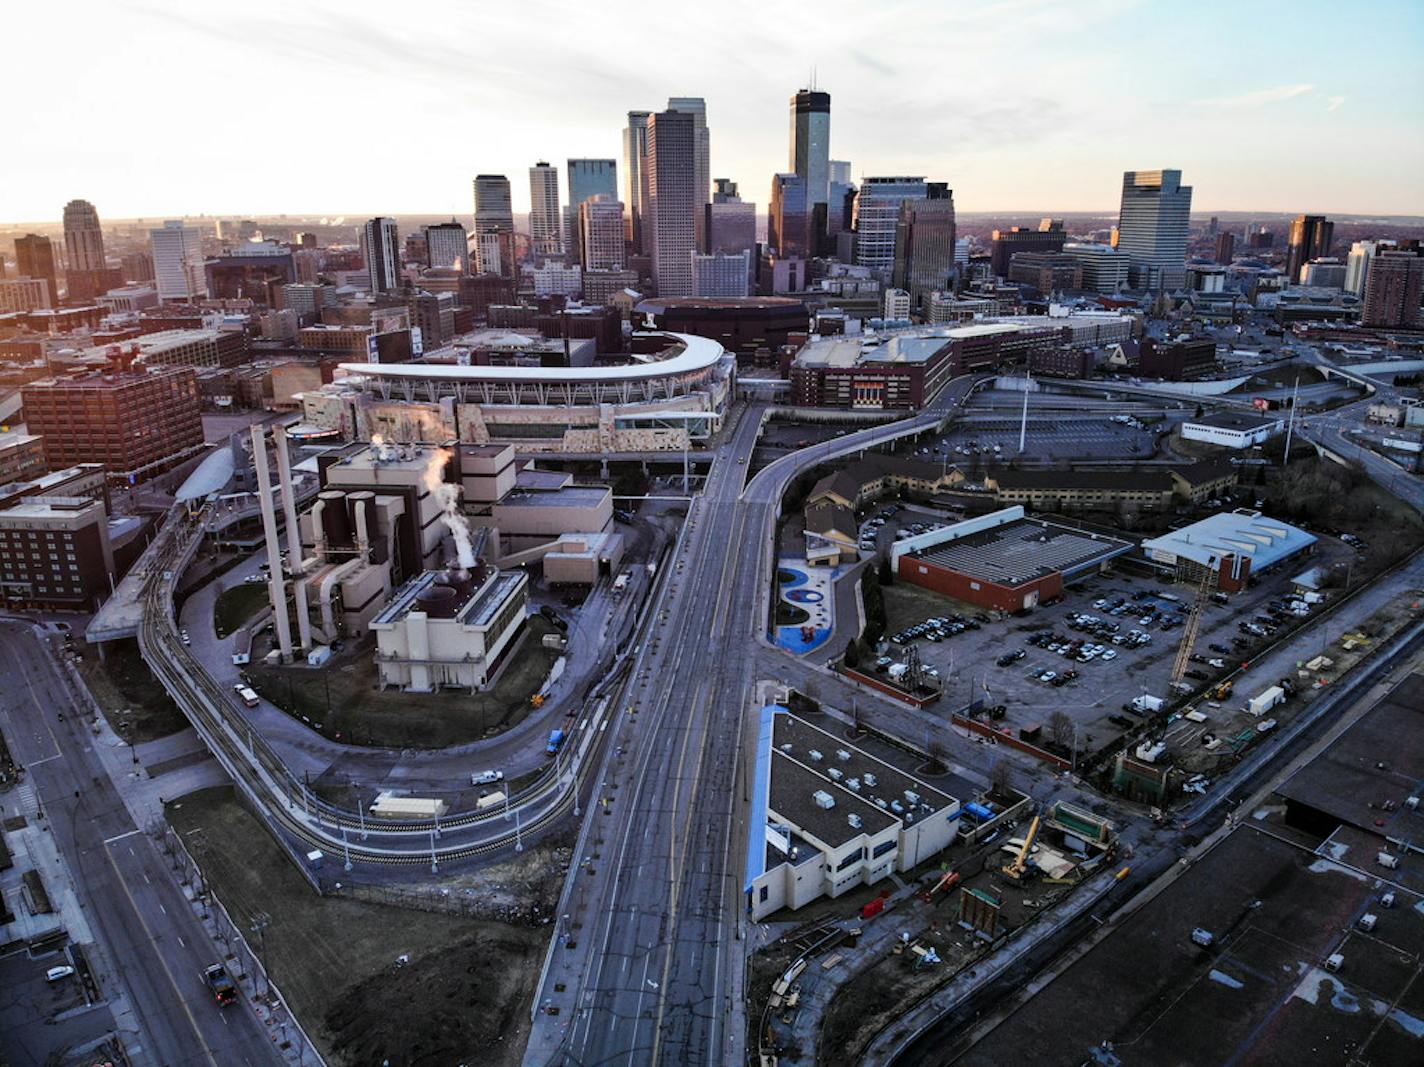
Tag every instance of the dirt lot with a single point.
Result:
(462, 997)
(127, 691)
(343, 702)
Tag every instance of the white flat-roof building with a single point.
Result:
(449, 629)
(1232, 545)
(1232, 430)
(828, 816)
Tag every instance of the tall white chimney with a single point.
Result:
(276, 583)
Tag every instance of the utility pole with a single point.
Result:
(1290, 423)
(1023, 419)
(260, 921)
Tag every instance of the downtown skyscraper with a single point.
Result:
(586, 178)
(34, 256)
(924, 243)
(380, 247)
(494, 226)
(178, 262)
(1310, 238)
(811, 154)
(545, 221)
(877, 215)
(673, 205)
(635, 179)
(1152, 228)
(696, 106)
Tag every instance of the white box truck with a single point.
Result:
(1144, 704)
(1264, 701)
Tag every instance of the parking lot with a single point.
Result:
(1048, 438)
(1039, 664)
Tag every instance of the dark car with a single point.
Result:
(1219, 648)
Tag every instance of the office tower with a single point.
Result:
(924, 243)
(722, 275)
(1225, 247)
(702, 154)
(896, 305)
(673, 203)
(24, 294)
(494, 225)
(545, 223)
(1392, 289)
(379, 242)
(178, 262)
(1357, 264)
(601, 233)
(1324, 273)
(1152, 228)
(586, 178)
(731, 225)
(137, 266)
(447, 245)
(810, 153)
(724, 191)
(1310, 238)
(635, 180)
(839, 172)
(840, 213)
(137, 422)
(788, 221)
(34, 258)
(1104, 267)
(306, 239)
(83, 237)
(877, 213)
(1213, 226)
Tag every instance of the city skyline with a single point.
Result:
(1248, 134)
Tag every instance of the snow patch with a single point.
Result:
(1225, 979)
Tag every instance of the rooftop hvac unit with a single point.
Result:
(1334, 961)
(1367, 922)
(835, 774)
(823, 799)
(786, 747)
(897, 807)
(854, 821)
(853, 783)
(911, 797)
(871, 780)
(842, 755)
(1385, 859)
(815, 756)
(1387, 901)
(909, 817)
(878, 802)
(1412, 803)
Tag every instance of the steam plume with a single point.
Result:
(448, 497)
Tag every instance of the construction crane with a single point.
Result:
(1016, 869)
(1190, 630)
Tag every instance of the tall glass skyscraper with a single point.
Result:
(674, 206)
(696, 106)
(1152, 228)
(379, 244)
(811, 148)
(635, 179)
(877, 213)
(494, 225)
(545, 221)
(586, 178)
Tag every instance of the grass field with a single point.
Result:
(127, 691)
(462, 998)
(236, 605)
(344, 703)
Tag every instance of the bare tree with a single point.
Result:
(1001, 776)
(1060, 728)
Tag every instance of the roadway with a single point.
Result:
(152, 947)
(650, 956)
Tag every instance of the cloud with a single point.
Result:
(1258, 98)
(1334, 103)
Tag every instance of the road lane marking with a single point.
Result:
(120, 837)
(162, 962)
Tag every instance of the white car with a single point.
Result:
(1110, 654)
(58, 974)
(1048, 676)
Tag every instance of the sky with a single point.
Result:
(160, 108)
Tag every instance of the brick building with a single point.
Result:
(137, 424)
(55, 554)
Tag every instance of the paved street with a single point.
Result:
(150, 948)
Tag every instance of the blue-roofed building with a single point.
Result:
(828, 816)
(1231, 546)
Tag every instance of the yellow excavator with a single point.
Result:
(1016, 870)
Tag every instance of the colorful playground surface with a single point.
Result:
(807, 609)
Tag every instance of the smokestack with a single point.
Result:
(276, 584)
(447, 496)
(289, 499)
